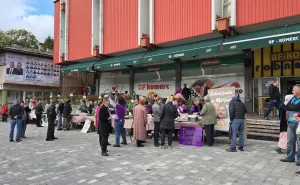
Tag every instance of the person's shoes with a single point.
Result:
(19, 140)
(49, 139)
(123, 143)
(163, 147)
(116, 146)
(156, 145)
(287, 161)
(104, 154)
(24, 137)
(241, 149)
(108, 144)
(55, 138)
(266, 118)
(12, 140)
(231, 150)
(278, 150)
(169, 146)
(297, 163)
(143, 141)
(60, 129)
(297, 173)
(140, 145)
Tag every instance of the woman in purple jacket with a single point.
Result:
(119, 121)
(197, 107)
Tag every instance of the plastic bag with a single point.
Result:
(298, 129)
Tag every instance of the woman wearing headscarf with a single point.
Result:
(209, 116)
(283, 115)
(167, 123)
(140, 122)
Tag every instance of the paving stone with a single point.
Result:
(75, 158)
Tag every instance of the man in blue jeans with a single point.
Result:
(237, 111)
(60, 110)
(275, 98)
(15, 113)
(293, 107)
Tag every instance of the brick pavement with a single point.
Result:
(75, 158)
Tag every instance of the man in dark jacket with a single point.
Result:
(15, 113)
(186, 92)
(237, 111)
(51, 115)
(67, 116)
(275, 98)
(38, 112)
(60, 110)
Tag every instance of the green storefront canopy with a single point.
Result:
(118, 62)
(183, 51)
(78, 67)
(264, 38)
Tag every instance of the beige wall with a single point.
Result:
(2, 74)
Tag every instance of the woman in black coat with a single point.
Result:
(167, 123)
(104, 126)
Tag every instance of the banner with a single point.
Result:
(190, 136)
(149, 89)
(30, 70)
(197, 86)
(220, 98)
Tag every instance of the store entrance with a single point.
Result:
(287, 84)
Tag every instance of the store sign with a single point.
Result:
(143, 87)
(285, 56)
(162, 89)
(153, 69)
(210, 62)
(277, 66)
(283, 40)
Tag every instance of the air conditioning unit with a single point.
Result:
(223, 20)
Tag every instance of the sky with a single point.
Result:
(35, 16)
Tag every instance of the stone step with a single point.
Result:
(264, 127)
(263, 134)
(263, 123)
(263, 131)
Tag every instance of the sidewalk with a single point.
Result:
(75, 158)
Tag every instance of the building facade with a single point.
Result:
(154, 46)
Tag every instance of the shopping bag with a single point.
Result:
(282, 143)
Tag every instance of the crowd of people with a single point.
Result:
(164, 115)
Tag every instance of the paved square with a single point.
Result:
(75, 158)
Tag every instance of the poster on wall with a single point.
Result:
(149, 89)
(31, 70)
(221, 97)
(197, 85)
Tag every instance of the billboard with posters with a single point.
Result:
(197, 85)
(31, 70)
(149, 89)
(221, 97)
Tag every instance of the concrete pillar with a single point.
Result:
(24, 96)
(4, 96)
(178, 74)
(131, 80)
